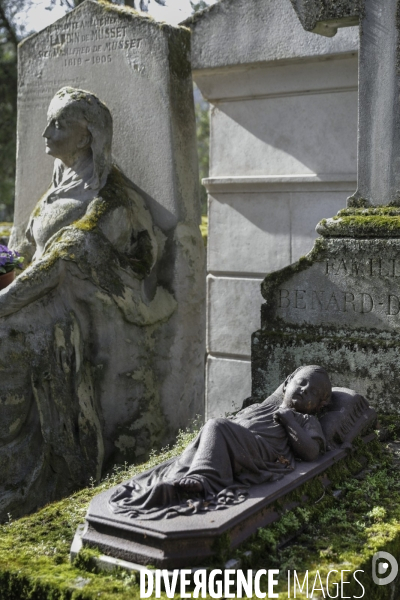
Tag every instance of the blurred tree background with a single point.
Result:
(12, 30)
(10, 34)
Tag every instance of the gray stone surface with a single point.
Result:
(339, 305)
(378, 135)
(257, 231)
(237, 32)
(324, 17)
(283, 155)
(121, 357)
(231, 320)
(379, 105)
(354, 285)
(228, 382)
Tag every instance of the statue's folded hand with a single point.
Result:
(284, 416)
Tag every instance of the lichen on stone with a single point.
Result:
(363, 222)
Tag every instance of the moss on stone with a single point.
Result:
(326, 533)
(34, 550)
(222, 548)
(332, 532)
(360, 221)
(382, 211)
(125, 10)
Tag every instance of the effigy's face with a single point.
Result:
(306, 390)
(65, 137)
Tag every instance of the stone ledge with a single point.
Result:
(376, 222)
(281, 183)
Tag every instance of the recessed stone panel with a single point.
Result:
(228, 383)
(263, 232)
(233, 314)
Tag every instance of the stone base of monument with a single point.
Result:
(338, 306)
(186, 541)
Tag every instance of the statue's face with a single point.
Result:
(66, 138)
(306, 390)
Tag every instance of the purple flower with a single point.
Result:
(9, 260)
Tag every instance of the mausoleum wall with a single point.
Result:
(283, 148)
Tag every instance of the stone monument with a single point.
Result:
(102, 337)
(283, 155)
(341, 302)
(226, 480)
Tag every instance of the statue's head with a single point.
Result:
(307, 390)
(78, 123)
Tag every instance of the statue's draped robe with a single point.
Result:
(80, 329)
(227, 456)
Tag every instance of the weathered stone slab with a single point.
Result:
(338, 306)
(231, 320)
(354, 284)
(184, 541)
(234, 33)
(256, 231)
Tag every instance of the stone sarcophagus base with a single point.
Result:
(188, 540)
(339, 307)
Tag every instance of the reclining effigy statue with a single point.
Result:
(76, 326)
(302, 419)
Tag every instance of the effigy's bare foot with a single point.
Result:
(189, 485)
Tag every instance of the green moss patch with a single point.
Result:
(339, 528)
(377, 221)
(326, 532)
(34, 550)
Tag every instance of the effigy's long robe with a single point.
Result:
(227, 456)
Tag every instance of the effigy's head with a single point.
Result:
(308, 389)
(77, 121)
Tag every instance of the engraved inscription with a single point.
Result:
(91, 42)
(371, 267)
(338, 301)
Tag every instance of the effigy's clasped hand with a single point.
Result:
(284, 415)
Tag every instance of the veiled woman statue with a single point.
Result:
(302, 419)
(77, 326)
